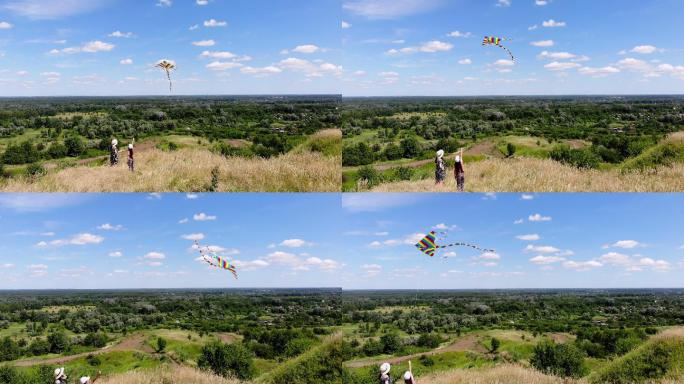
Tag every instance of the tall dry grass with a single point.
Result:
(503, 374)
(168, 375)
(189, 170)
(535, 175)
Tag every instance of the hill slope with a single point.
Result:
(190, 170)
(538, 175)
(168, 375)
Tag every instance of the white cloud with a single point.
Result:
(222, 65)
(204, 43)
(203, 217)
(115, 254)
(541, 249)
(250, 265)
(202, 2)
(539, 217)
(371, 270)
(459, 34)
(110, 227)
(218, 54)
(445, 227)
(191, 196)
(37, 270)
(530, 237)
(183, 221)
(126, 35)
(89, 47)
(526, 197)
(306, 48)
(519, 221)
(559, 66)
(389, 9)
(490, 256)
(5, 25)
(346, 25)
(193, 236)
(503, 3)
(155, 256)
(22, 73)
(553, 24)
(465, 61)
(295, 243)
(427, 47)
(164, 3)
(546, 260)
(644, 49)
(541, 3)
(626, 244)
(614, 258)
(263, 71)
(213, 23)
(50, 9)
(79, 239)
(598, 72)
(6, 266)
(193, 27)
(298, 264)
(532, 28)
(582, 265)
(543, 43)
(126, 62)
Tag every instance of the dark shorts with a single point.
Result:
(460, 181)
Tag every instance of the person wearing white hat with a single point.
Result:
(114, 153)
(60, 376)
(440, 168)
(384, 373)
(459, 172)
(408, 378)
(86, 379)
(131, 162)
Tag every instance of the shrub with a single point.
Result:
(390, 343)
(74, 146)
(9, 350)
(580, 158)
(97, 340)
(370, 175)
(563, 360)
(403, 173)
(58, 342)
(34, 170)
(495, 344)
(161, 344)
(227, 360)
(426, 361)
(429, 340)
(510, 149)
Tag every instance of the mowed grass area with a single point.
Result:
(198, 170)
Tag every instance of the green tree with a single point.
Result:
(495, 343)
(227, 360)
(161, 344)
(410, 147)
(9, 350)
(390, 342)
(74, 146)
(510, 149)
(564, 360)
(58, 342)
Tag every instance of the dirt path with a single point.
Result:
(135, 342)
(466, 343)
(227, 338)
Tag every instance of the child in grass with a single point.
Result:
(384, 374)
(440, 168)
(459, 172)
(131, 162)
(114, 153)
(86, 379)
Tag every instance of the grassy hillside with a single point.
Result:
(662, 357)
(530, 174)
(313, 166)
(168, 375)
(322, 364)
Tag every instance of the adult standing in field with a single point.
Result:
(60, 376)
(385, 374)
(459, 171)
(114, 153)
(408, 378)
(131, 162)
(440, 167)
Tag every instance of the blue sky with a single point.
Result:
(433, 47)
(541, 240)
(145, 241)
(109, 47)
(355, 241)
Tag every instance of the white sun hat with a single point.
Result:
(115, 142)
(59, 372)
(440, 153)
(85, 380)
(458, 158)
(408, 375)
(385, 368)
(130, 146)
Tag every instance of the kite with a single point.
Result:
(428, 244)
(216, 261)
(167, 66)
(497, 41)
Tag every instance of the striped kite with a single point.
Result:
(428, 244)
(488, 40)
(210, 257)
(167, 66)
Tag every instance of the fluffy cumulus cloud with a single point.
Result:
(346, 25)
(561, 66)
(213, 23)
(204, 43)
(551, 23)
(644, 49)
(599, 72)
(546, 260)
(295, 243)
(626, 244)
(126, 61)
(37, 270)
(543, 43)
(529, 237)
(125, 35)
(89, 47)
(203, 217)
(5, 25)
(582, 265)
(634, 263)
(302, 263)
(79, 239)
(432, 46)
(306, 48)
(110, 227)
(407, 240)
(193, 236)
(539, 218)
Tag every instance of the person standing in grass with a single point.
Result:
(459, 171)
(114, 153)
(440, 168)
(86, 379)
(385, 373)
(131, 162)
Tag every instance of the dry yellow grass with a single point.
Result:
(168, 375)
(503, 374)
(535, 175)
(189, 170)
